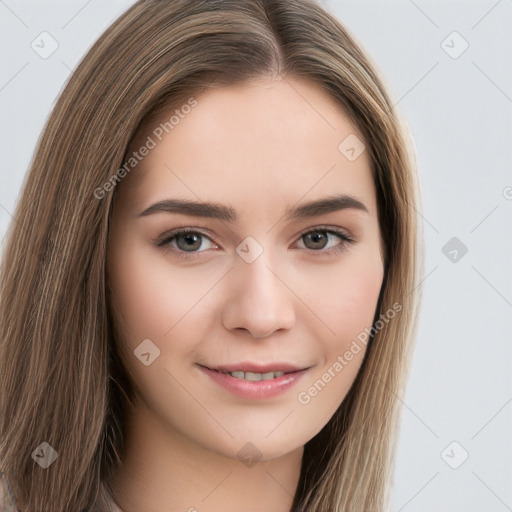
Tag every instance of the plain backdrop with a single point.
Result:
(447, 65)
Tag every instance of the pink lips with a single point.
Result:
(261, 389)
(249, 366)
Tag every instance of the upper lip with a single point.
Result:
(248, 366)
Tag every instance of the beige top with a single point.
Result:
(7, 501)
(105, 503)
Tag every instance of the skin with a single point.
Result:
(257, 147)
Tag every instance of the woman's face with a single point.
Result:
(254, 288)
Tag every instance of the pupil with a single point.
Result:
(190, 239)
(316, 237)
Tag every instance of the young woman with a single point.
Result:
(208, 295)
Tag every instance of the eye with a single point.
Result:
(319, 238)
(186, 242)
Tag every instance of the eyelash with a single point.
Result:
(168, 237)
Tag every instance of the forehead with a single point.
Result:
(260, 143)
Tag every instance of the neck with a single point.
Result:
(164, 471)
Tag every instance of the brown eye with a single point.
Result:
(318, 238)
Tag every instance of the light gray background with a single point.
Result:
(460, 112)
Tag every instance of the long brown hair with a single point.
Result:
(62, 381)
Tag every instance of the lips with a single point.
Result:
(255, 381)
(253, 367)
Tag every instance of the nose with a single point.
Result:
(258, 299)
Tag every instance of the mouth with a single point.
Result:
(255, 372)
(252, 380)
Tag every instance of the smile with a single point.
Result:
(254, 376)
(254, 385)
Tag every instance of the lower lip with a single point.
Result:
(259, 389)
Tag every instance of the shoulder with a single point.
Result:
(7, 501)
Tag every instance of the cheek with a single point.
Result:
(356, 294)
(137, 295)
(149, 302)
(345, 296)
(348, 307)
(149, 296)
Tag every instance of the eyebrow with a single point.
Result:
(229, 214)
